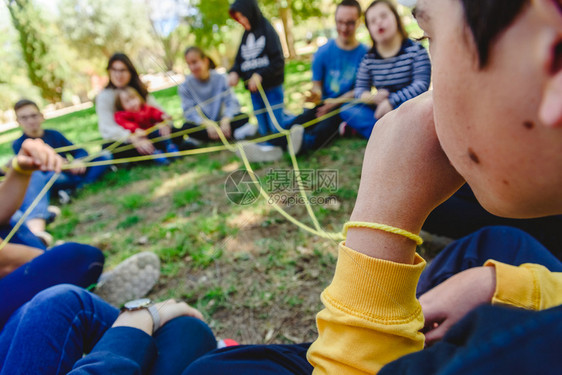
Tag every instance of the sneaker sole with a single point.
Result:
(297, 134)
(254, 153)
(131, 279)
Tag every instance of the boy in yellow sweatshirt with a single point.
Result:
(494, 120)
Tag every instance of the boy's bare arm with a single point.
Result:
(13, 256)
(371, 314)
(33, 155)
(405, 176)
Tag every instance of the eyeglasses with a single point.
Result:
(120, 71)
(29, 117)
(348, 24)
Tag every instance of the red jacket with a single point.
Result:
(145, 118)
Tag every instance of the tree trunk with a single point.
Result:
(287, 19)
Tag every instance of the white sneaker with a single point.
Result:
(297, 134)
(245, 131)
(131, 279)
(260, 153)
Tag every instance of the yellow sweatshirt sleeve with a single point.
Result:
(371, 315)
(529, 286)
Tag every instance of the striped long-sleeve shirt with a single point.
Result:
(405, 76)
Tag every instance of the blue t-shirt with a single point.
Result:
(336, 68)
(54, 139)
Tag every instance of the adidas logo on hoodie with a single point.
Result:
(251, 50)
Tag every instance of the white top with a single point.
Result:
(105, 109)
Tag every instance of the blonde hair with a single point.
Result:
(129, 91)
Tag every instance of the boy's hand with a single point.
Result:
(405, 176)
(225, 127)
(375, 99)
(77, 170)
(382, 108)
(165, 130)
(254, 82)
(35, 154)
(450, 301)
(314, 96)
(211, 130)
(233, 79)
(143, 145)
(167, 311)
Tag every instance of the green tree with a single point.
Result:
(99, 28)
(43, 67)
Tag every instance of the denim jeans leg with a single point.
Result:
(95, 172)
(505, 244)
(261, 116)
(70, 263)
(23, 236)
(276, 97)
(66, 180)
(254, 360)
(360, 117)
(180, 342)
(51, 332)
(36, 184)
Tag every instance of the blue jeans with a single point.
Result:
(65, 181)
(360, 117)
(49, 334)
(52, 331)
(275, 97)
(315, 136)
(70, 263)
(502, 243)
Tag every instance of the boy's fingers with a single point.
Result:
(434, 335)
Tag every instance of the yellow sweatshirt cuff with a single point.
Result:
(515, 286)
(374, 289)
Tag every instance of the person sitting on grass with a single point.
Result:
(51, 333)
(206, 93)
(30, 119)
(334, 70)
(136, 116)
(489, 57)
(26, 267)
(396, 66)
(260, 62)
(122, 73)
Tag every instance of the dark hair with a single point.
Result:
(129, 90)
(24, 103)
(135, 81)
(487, 19)
(202, 54)
(399, 23)
(350, 3)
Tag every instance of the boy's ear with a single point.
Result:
(550, 111)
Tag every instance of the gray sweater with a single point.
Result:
(214, 96)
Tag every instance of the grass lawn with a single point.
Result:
(255, 276)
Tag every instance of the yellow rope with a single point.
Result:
(28, 211)
(386, 228)
(85, 162)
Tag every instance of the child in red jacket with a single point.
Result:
(136, 116)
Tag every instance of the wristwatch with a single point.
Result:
(144, 303)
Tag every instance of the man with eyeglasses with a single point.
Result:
(334, 68)
(31, 119)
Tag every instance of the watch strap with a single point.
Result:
(155, 317)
